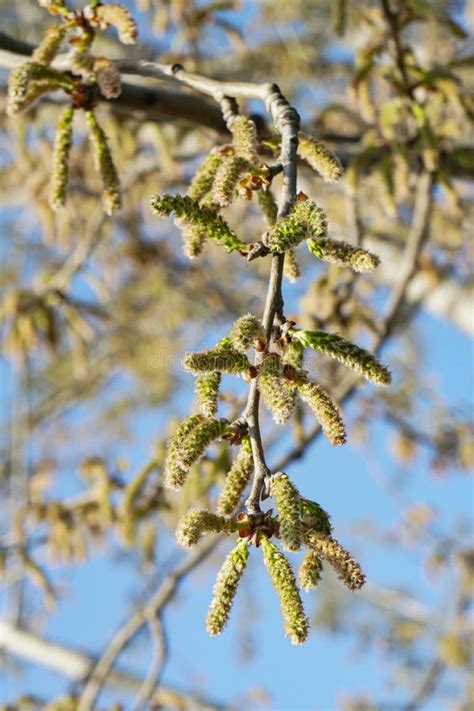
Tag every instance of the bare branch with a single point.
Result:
(101, 670)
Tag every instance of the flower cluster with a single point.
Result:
(36, 77)
(276, 372)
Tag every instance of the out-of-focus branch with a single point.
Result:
(76, 665)
(160, 653)
(443, 297)
(102, 669)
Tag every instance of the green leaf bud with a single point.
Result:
(325, 410)
(225, 588)
(207, 392)
(341, 560)
(246, 333)
(305, 220)
(111, 197)
(283, 579)
(189, 211)
(287, 499)
(337, 252)
(236, 480)
(347, 353)
(244, 138)
(195, 523)
(60, 167)
(278, 393)
(226, 178)
(310, 570)
(320, 158)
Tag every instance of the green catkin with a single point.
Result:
(223, 358)
(207, 392)
(194, 239)
(309, 573)
(336, 252)
(226, 178)
(225, 588)
(29, 81)
(278, 393)
(291, 268)
(347, 353)
(288, 502)
(341, 560)
(50, 45)
(195, 523)
(111, 195)
(119, 17)
(247, 332)
(60, 165)
(194, 446)
(313, 516)
(268, 206)
(203, 179)
(244, 138)
(283, 579)
(320, 158)
(189, 211)
(236, 480)
(175, 475)
(294, 354)
(325, 410)
(305, 220)
(107, 77)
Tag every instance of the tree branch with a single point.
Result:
(76, 665)
(101, 670)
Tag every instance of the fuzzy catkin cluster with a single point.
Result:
(111, 194)
(191, 213)
(325, 410)
(236, 480)
(298, 523)
(305, 220)
(284, 582)
(345, 352)
(337, 252)
(225, 588)
(278, 393)
(195, 523)
(288, 501)
(223, 358)
(207, 392)
(188, 445)
(60, 167)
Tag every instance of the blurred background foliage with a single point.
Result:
(96, 311)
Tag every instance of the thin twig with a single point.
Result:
(160, 653)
